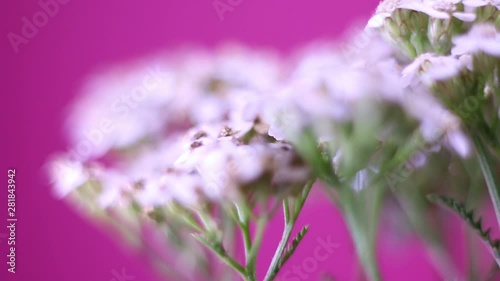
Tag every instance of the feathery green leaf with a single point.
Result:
(469, 217)
(292, 247)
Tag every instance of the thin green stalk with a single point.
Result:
(247, 239)
(290, 220)
(243, 220)
(191, 222)
(221, 253)
(364, 240)
(251, 247)
(230, 234)
(488, 174)
(251, 258)
(286, 210)
(208, 222)
(287, 231)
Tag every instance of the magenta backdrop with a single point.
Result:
(54, 242)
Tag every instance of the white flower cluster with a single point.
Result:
(204, 142)
(199, 126)
(421, 26)
(188, 131)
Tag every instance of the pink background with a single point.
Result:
(54, 242)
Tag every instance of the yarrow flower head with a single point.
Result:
(423, 26)
(429, 68)
(231, 163)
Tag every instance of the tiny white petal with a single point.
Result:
(482, 37)
(377, 20)
(66, 175)
(460, 143)
(467, 17)
(474, 3)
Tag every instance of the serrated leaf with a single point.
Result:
(469, 217)
(290, 249)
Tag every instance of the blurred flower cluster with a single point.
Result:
(212, 143)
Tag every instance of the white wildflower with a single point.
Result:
(436, 121)
(429, 68)
(245, 69)
(153, 159)
(481, 3)
(439, 9)
(174, 185)
(226, 166)
(483, 37)
(117, 105)
(327, 85)
(66, 175)
(283, 116)
(114, 184)
(385, 10)
(459, 142)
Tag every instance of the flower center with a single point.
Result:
(444, 6)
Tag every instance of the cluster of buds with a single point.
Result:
(422, 26)
(454, 51)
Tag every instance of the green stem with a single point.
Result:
(247, 239)
(230, 230)
(221, 253)
(364, 239)
(251, 247)
(488, 174)
(287, 231)
(251, 258)
(290, 220)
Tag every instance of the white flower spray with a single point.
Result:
(207, 143)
